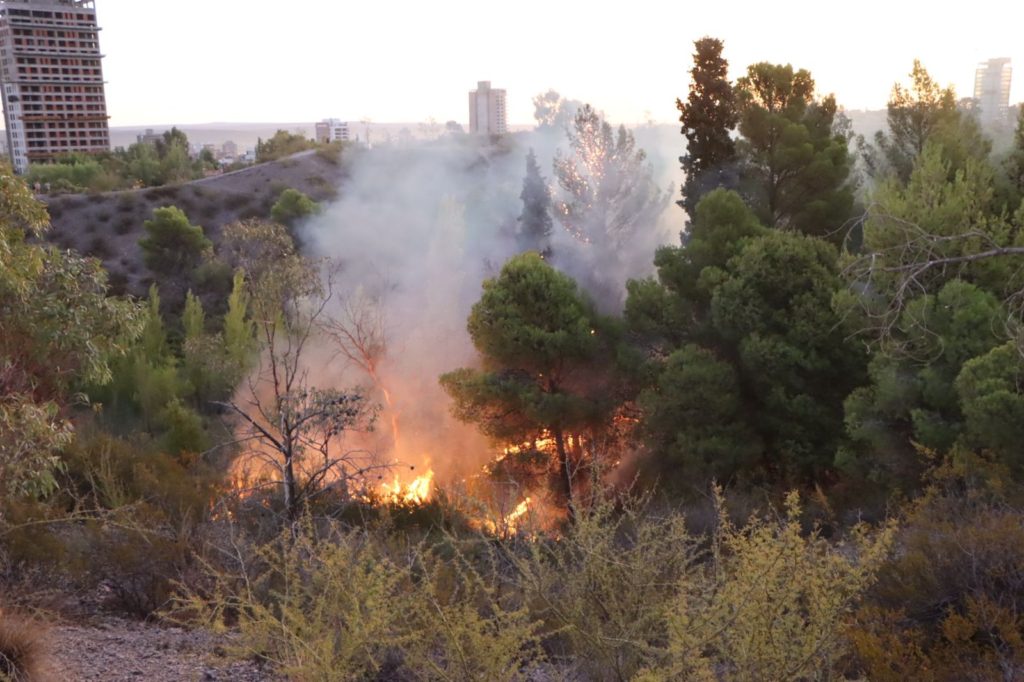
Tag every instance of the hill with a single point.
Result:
(109, 225)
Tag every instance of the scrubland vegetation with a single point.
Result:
(793, 453)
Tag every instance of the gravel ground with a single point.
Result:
(117, 650)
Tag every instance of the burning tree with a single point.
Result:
(607, 184)
(542, 347)
(289, 424)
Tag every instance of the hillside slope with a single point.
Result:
(109, 225)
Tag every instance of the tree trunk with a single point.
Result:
(565, 471)
(291, 503)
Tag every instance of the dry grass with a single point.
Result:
(24, 654)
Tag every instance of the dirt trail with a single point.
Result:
(117, 650)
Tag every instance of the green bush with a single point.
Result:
(173, 244)
(292, 206)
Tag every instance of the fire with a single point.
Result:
(414, 493)
(511, 521)
(509, 524)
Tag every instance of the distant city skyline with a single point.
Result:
(401, 61)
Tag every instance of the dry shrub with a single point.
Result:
(950, 605)
(149, 507)
(342, 605)
(604, 589)
(125, 224)
(771, 602)
(24, 654)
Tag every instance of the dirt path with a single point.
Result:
(118, 650)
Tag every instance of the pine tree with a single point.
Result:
(608, 188)
(708, 116)
(535, 224)
(795, 165)
(1015, 162)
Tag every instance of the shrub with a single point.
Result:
(99, 248)
(236, 201)
(292, 206)
(126, 202)
(950, 605)
(118, 282)
(336, 604)
(103, 216)
(124, 224)
(604, 590)
(24, 654)
(331, 152)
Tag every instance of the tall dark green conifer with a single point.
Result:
(708, 116)
(1015, 162)
(535, 224)
(796, 167)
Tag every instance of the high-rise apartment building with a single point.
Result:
(487, 110)
(51, 80)
(992, 90)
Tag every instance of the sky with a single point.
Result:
(203, 61)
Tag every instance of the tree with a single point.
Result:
(535, 224)
(173, 245)
(288, 423)
(708, 117)
(675, 308)
(607, 188)
(933, 229)
(693, 418)
(796, 168)
(913, 114)
(773, 307)
(282, 144)
(1015, 161)
(542, 350)
(553, 112)
(745, 312)
(292, 206)
(910, 399)
(60, 331)
(991, 392)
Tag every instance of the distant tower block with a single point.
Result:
(51, 80)
(992, 90)
(332, 130)
(487, 110)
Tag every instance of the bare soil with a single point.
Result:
(115, 650)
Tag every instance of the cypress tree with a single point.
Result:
(535, 224)
(708, 117)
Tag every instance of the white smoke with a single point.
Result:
(417, 230)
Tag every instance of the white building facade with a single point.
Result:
(487, 110)
(332, 130)
(992, 90)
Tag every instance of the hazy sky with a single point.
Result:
(196, 61)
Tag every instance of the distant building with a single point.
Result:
(51, 80)
(992, 90)
(229, 150)
(487, 110)
(149, 137)
(332, 130)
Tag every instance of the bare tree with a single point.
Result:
(287, 423)
(914, 260)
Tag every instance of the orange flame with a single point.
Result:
(415, 493)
